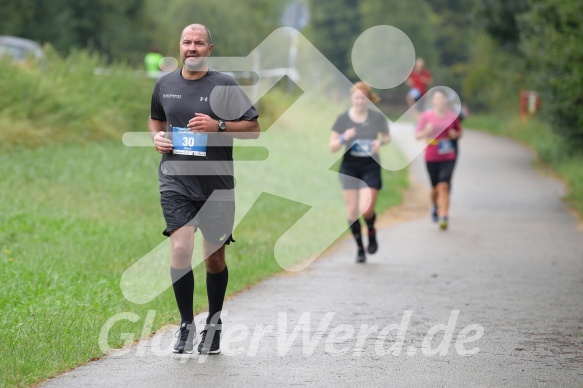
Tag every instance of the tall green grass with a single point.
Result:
(70, 101)
(75, 212)
(550, 148)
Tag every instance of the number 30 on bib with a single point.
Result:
(185, 142)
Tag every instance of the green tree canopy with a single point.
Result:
(115, 28)
(237, 27)
(552, 41)
(334, 27)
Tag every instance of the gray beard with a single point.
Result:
(191, 67)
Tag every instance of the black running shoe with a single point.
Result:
(372, 242)
(434, 216)
(360, 256)
(210, 339)
(186, 335)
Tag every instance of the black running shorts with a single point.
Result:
(369, 175)
(215, 219)
(440, 171)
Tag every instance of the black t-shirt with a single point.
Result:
(176, 100)
(367, 131)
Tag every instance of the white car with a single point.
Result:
(21, 51)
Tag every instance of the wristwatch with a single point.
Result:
(222, 126)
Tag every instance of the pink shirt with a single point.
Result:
(441, 148)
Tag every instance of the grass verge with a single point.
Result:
(75, 99)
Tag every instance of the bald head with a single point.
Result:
(195, 48)
(196, 26)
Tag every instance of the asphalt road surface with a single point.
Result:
(497, 300)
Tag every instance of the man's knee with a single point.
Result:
(215, 263)
(214, 257)
(181, 250)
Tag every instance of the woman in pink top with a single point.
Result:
(440, 128)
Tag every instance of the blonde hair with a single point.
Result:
(366, 90)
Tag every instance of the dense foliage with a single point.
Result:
(553, 43)
(536, 44)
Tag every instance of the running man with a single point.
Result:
(440, 127)
(194, 135)
(358, 129)
(419, 81)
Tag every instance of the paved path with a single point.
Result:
(511, 263)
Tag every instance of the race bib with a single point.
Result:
(185, 142)
(361, 148)
(445, 147)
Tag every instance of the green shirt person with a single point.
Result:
(152, 62)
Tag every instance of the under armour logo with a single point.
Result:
(204, 98)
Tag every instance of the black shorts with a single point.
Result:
(369, 174)
(440, 171)
(215, 220)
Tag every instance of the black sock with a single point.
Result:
(216, 286)
(183, 284)
(355, 229)
(370, 224)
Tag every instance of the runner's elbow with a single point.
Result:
(254, 134)
(255, 130)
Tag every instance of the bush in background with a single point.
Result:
(553, 43)
(75, 99)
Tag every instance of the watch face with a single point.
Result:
(222, 125)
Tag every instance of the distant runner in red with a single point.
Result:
(419, 80)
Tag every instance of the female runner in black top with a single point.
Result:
(358, 129)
